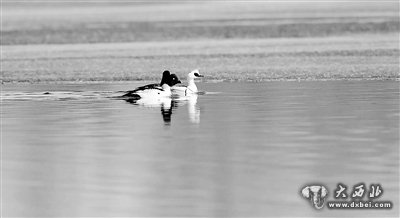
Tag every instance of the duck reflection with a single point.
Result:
(168, 106)
(193, 109)
(166, 111)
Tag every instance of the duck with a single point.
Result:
(156, 90)
(191, 87)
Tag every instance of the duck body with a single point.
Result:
(149, 91)
(154, 91)
(191, 87)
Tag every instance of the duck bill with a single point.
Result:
(198, 75)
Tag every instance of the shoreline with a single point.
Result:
(206, 81)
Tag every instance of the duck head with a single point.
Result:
(194, 74)
(169, 79)
(173, 80)
(165, 77)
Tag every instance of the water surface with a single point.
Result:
(241, 149)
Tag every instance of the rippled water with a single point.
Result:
(241, 149)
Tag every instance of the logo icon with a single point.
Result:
(316, 194)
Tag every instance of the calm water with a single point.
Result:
(242, 149)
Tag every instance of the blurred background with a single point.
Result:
(64, 22)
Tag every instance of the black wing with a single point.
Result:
(150, 86)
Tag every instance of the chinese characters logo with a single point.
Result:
(345, 197)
